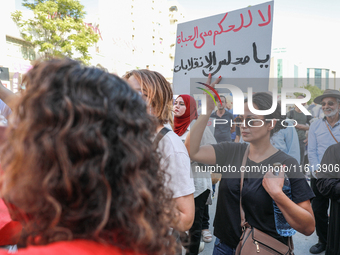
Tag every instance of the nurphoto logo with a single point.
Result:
(238, 103)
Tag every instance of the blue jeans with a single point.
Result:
(213, 187)
(222, 248)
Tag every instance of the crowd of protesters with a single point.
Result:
(92, 163)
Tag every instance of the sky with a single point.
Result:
(308, 29)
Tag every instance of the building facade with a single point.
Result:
(139, 34)
(322, 78)
(134, 34)
(285, 71)
(16, 55)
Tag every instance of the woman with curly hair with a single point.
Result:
(156, 91)
(80, 171)
(260, 188)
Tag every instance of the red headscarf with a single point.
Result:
(190, 114)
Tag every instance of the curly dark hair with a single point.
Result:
(80, 164)
(264, 101)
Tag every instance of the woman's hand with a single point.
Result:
(273, 184)
(210, 101)
(299, 216)
(6, 95)
(203, 154)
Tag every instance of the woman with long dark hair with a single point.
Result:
(80, 171)
(260, 187)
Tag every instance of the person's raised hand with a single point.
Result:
(273, 183)
(6, 94)
(210, 101)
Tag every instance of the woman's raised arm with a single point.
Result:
(204, 154)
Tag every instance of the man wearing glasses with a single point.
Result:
(322, 134)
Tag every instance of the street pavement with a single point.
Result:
(301, 243)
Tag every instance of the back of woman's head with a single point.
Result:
(264, 101)
(79, 161)
(158, 90)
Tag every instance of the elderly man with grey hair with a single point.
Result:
(322, 134)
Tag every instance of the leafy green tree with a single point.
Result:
(57, 28)
(314, 91)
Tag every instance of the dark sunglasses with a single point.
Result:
(330, 103)
(249, 122)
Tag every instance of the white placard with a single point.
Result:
(233, 45)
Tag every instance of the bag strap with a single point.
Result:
(244, 161)
(160, 135)
(291, 244)
(244, 223)
(331, 133)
